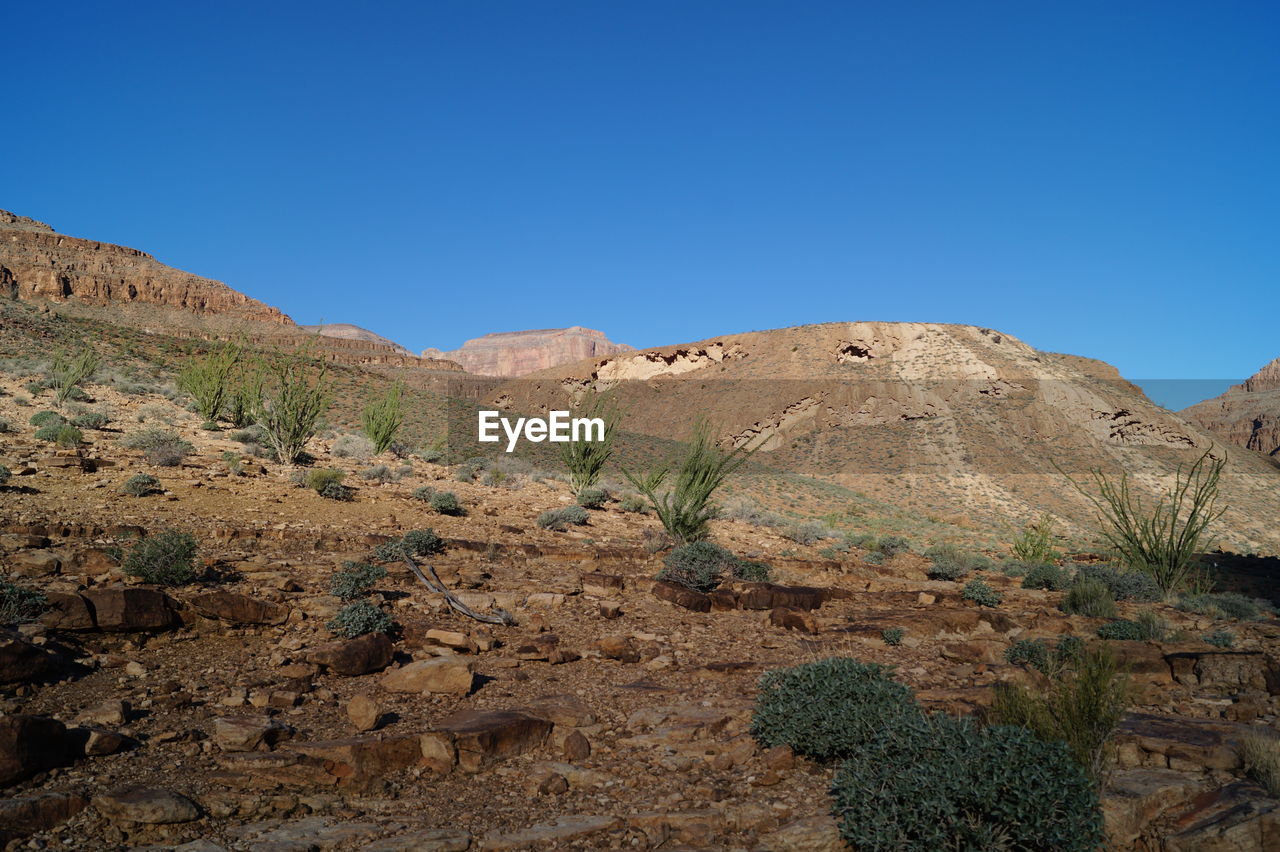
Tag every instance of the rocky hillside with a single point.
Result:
(931, 416)
(516, 353)
(347, 331)
(1247, 415)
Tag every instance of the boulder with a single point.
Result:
(788, 618)
(482, 737)
(131, 609)
(238, 609)
(67, 611)
(31, 744)
(681, 596)
(618, 648)
(146, 805)
(22, 662)
(248, 733)
(353, 657)
(447, 675)
(25, 816)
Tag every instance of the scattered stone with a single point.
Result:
(364, 712)
(238, 609)
(619, 648)
(484, 736)
(576, 746)
(563, 830)
(452, 639)
(23, 817)
(371, 652)
(610, 609)
(31, 744)
(248, 733)
(132, 609)
(447, 675)
(430, 840)
(21, 661)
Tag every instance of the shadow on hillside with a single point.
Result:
(1255, 576)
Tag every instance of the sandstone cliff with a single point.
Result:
(347, 331)
(39, 264)
(1247, 415)
(517, 353)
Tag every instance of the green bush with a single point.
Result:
(20, 604)
(560, 519)
(162, 447)
(251, 435)
(90, 420)
(592, 498)
(807, 532)
(207, 378)
(415, 543)
(166, 558)
(69, 371)
(1035, 543)
(141, 485)
(379, 473)
(1037, 654)
(1225, 605)
(752, 572)
(1221, 639)
(830, 708)
(424, 493)
(862, 541)
(585, 460)
(355, 580)
(935, 782)
(383, 417)
(358, 618)
(952, 563)
(1089, 597)
(445, 502)
(66, 436)
(1147, 626)
(5, 473)
(875, 557)
(1016, 567)
(1081, 707)
(1048, 577)
(1125, 585)
(286, 397)
(634, 503)
(327, 482)
(701, 565)
(47, 418)
(892, 635)
(892, 545)
(981, 593)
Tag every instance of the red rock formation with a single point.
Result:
(1248, 414)
(515, 353)
(347, 331)
(39, 264)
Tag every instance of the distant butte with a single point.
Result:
(517, 353)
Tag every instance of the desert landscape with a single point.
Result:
(225, 629)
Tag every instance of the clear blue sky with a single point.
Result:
(1095, 178)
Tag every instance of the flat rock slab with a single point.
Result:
(308, 833)
(22, 662)
(23, 817)
(563, 830)
(146, 805)
(371, 652)
(446, 675)
(238, 609)
(131, 609)
(1239, 817)
(31, 744)
(365, 758)
(1190, 745)
(1137, 797)
(427, 840)
(485, 736)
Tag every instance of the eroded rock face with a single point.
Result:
(515, 353)
(1247, 415)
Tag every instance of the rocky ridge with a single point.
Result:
(517, 353)
(1247, 415)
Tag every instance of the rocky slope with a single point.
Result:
(516, 353)
(347, 331)
(39, 264)
(936, 416)
(1247, 415)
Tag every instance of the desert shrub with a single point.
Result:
(470, 469)
(433, 453)
(353, 446)
(633, 503)
(358, 618)
(1166, 539)
(892, 635)
(829, 708)
(687, 507)
(1089, 597)
(892, 545)
(49, 433)
(35, 388)
(862, 541)
(1034, 543)
(383, 417)
(747, 511)
(1048, 577)
(166, 558)
(145, 439)
(355, 580)
(207, 379)
(1224, 605)
(1081, 707)
(168, 454)
(560, 519)
(751, 571)
(807, 532)
(286, 397)
(235, 464)
(936, 782)
(1221, 639)
(250, 435)
(1147, 626)
(1037, 654)
(592, 498)
(875, 557)
(701, 565)
(415, 543)
(1261, 757)
(47, 418)
(90, 420)
(585, 460)
(70, 370)
(141, 485)
(62, 434)
(424, 493)
(210, 426)
(5, 473)
(1125, 585)
(952, 563)
(19, 604)
(380, 474)
(1016, 567)
(980, 593)
(445, 502)
(655, 541)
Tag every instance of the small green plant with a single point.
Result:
(1230, 605)
(1166, 539)
(90, 420)
(20, 604)
(327, 482)
(68, 437)
(1261, 757)
(141, 485)
(423, 493)
(355, 580)
(1147, 626)
(892, 635)
(5, 473)
(592, 498)
(687, 508)
(830, 708)
(1048, 577)
(1089, 597)
(207, 379)
(166, 558)
(891, 545)
(445, 502)
(936, 782)
(234, 463)
(70, 370)
(875, 557)
(352, 446)
(1081, 707)
(1035, 543)
(952, 563)
(585, 458)
(807, 532)
(47, 418)
(982, 594)
(286, 396)
(701, 565)
(382, 418)
(358, 618)
(560, 519)
(1125, 584)
(633, 503)
(1221, 639)
(1016, 567)
(414, 543)
(1037, 654)
(379, 473)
